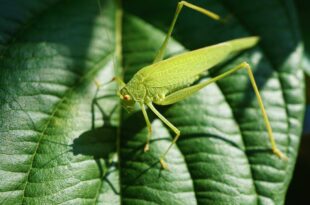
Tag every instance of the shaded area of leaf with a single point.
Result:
(50, 150)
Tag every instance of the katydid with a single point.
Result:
(168, 81)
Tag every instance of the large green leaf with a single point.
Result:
(65, 142)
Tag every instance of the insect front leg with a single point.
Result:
(181, 4)
(149, 128)
(172, 127)
(118, 80)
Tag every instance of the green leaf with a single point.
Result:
(65, 142)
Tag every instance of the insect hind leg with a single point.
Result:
(181, 94)
(246, 66)
(181, 4)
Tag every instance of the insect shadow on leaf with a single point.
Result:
(99, 141)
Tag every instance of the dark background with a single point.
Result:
(299, 192)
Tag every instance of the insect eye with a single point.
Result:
(127, 97)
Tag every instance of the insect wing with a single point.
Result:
(179, 69)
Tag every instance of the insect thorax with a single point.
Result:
(142, 93)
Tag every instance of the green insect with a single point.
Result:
(168, 81)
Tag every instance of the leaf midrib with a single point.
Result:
(88, 75)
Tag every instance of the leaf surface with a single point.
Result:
(63, 141)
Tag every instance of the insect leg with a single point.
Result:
(149, 127)
(161, 52)
(181, 94)
(172, 127)
(118, 80)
